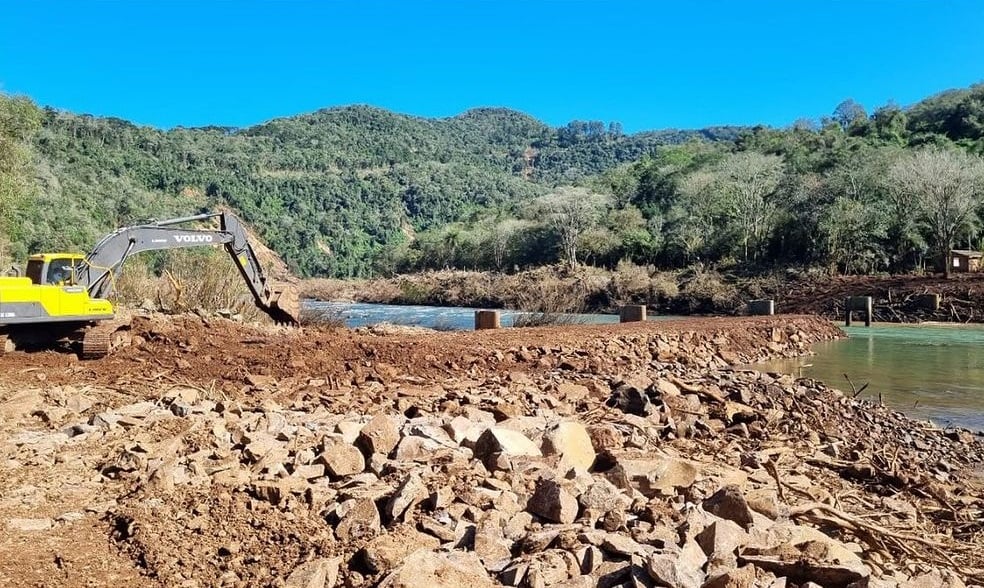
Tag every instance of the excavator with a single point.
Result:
(63, 297)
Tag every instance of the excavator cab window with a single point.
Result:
(35, 270)
(60, 271)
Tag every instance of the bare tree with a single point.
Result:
(945, 188)
(748, 180)
(694, 217)
(502, 237)
(571, 212)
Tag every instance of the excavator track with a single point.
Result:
(95, 344)
(100, 340)
(4, 343)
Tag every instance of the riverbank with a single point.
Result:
(215, 453)
(554, 290)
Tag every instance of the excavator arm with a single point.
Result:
(101, 267)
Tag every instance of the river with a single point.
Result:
(444, 318)
(931, 372)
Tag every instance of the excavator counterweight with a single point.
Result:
(64, 295)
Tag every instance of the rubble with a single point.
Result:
(538, 465)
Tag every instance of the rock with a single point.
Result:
(630, 400)
(492, 548)
(427, 569)
(79, 403)
(728, 503)
(30, 525)
(359, 518)
(572, 392)
(653, 475)
(21, 404)
(825, 561)
(320, 573)
(935, 579)
(309, 472)
(514, 574)
(349, 430)
(572, 443)
(515, 528)
(258, 445)
(589, 558)
(720, 541)
(552, 502)
(667, 388)
(765, 502)
(683, 570)
(623, 545)
(342, 459)
(550, 568)
(408, 493)
(500, 441)
(605, 437)
(743, 577)
(460, 429)
(414, 448)
(380, 435)
(443, 532)
(611, 574)
(387, 551)
(579, 582)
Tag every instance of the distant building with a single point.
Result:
(963, 260)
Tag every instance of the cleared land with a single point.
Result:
(212, 453)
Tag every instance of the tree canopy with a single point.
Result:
(356, 190)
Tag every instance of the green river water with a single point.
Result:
(930, 372)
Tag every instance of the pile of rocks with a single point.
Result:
(675, 485)
(640, 460)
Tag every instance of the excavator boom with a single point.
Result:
(102, 266)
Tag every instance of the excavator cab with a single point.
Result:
(54, 269)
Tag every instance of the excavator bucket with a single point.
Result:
(285, 305)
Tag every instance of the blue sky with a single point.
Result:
(648, 65)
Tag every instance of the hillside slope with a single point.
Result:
(326, 190)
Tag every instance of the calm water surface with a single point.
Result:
(930, 372)
(357, 314)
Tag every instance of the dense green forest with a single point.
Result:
(359, 190)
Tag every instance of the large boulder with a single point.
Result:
(572, 443)
(428, 569)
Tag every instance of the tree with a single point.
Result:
(19, 121)
(748, 180)
(848, 113)
(693, 216)
(570, 212)
(851, 230)
(945, 187)
(502, 237)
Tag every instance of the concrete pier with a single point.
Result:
(927, 301)
(632, 313)
(761, 307)
(858, 304)
(487, 319)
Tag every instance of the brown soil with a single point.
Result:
(115, 520)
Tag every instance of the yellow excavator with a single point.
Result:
(63, 296)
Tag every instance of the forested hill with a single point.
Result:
(326, 190)
(348, 191)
